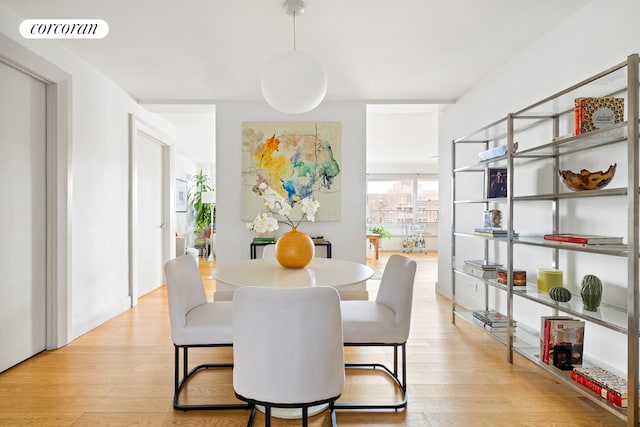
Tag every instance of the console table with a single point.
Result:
(375, 240)
(254, 247)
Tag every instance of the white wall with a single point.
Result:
(99, 276)
(346, 235)
(402, 142)
(566, 55)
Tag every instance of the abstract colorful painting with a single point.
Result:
(297, 159)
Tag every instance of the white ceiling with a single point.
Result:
(168, 50)
(381, 51)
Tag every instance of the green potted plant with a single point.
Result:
(201, 211)
(380, 230)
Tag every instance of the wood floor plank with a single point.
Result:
(121, 374)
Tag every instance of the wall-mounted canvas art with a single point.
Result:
(297, 159)
(181, 195)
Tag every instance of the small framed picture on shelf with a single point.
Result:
(496, 183)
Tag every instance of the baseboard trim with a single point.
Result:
(93, 320)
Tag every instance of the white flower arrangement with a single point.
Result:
(264, 222)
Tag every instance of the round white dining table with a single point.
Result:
(332, 272)
(267, 272)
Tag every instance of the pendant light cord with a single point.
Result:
(294, 31)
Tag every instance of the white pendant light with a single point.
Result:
(294, 82)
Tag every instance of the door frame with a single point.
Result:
(59, 185)
(139, 128)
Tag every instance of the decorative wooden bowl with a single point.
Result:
(586, 180)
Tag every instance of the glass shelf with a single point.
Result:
(527, 344)
(500, 239)
(621, 191)
(608, 316)
(597, 138)
(613, 250)
(492, 200)
(482, 166)
(491, 282)
(468, 316)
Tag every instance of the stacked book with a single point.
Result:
(492, 320)
(561, 341)
(496, 152)
(584, 240)
(492, 232)
(481, 269)
(603, 383)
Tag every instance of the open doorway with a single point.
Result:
(194, 154)
(402, 178)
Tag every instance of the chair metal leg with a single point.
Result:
(333, 414)
(186, 375)
(395, 361)
(267, 408)
(401, 384)
(251, 415)
(267, 416)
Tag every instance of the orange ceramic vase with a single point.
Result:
(294, 249)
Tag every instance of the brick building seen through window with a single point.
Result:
(411, 199)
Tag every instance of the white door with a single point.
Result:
(23, 217)
(149, 223)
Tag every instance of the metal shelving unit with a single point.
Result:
(550, 115)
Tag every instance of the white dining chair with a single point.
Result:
(195, 322)
(384, 322)
(269, 251)
(288, 350)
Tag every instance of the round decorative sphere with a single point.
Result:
(560, 294)
(294, 82)
(294, 249)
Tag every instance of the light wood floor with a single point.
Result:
(121, 374)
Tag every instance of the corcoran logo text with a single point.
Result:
(64, 28)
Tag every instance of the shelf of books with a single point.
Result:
(612, 396)
(483, 271)
(537, 165)
(491, 322)
(558, 351)
(613, 250)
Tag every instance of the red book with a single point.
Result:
(584, 239)
(544, 347)
(598, 389)
(577, 114)
(545, 335)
